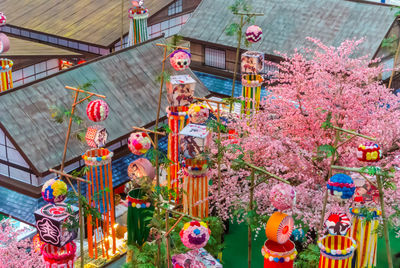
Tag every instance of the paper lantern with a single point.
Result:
(278, 255)
(141, 168)
(297, 235)
(96, 136)
(3, 19)
(198, 113)
(194, 140)
(337, 224)
(139, 143)
(341, 185)
(59, 257)
(180, 90)
(279, 227)
(180, 60)
(336, 251)
(54, 191)
(365, 193)
(4, 43)
(50, 224)
(369, 152)
(252, 62)
(97, 110)
(282, 196)
(253, 34)
(195, 234)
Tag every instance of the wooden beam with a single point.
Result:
(69, 176)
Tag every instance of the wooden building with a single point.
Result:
(31, 142)
(285, 25)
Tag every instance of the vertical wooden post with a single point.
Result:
(250, 209)
(167, 237)
(385, 224)
(81, 226)
(122, 22)
(219, 150)
(236, 59)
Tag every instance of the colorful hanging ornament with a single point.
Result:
(4, 43)
(279, 227)
(180, 91)
(253, 33)
(141, 168)
(180, 59)
(369, 152)
(139, 143)
(3, 19)
(96, 136)
(198, 113)
(341, 185)
(336, 251)
(195, 234)
(59, 257)
(97, 110)
(337, 224)
(297, 235)
(366, 193)
(282, 196)
(54, 191)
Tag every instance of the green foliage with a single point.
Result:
(214, 125)
(309, 258)
(327, 124)
(232, 29)
(325, 151)
(390, 43)
(145, 256)
(162, 157)
(166, 128)
(166, 76)
(236, 28)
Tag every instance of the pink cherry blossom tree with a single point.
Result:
(286, 136)
(14, 253)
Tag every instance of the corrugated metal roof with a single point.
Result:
(126, 78)
(286, 24)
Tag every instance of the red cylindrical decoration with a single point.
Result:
(336, 251)
(55, 257)
(278, 255)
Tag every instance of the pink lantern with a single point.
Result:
(96, 136)
(97, 110)
(253, 34)
(4, 43)
(141, 168)
(139, 143)
(195, 234)
(3, 19)
(180, 60)
(282, 196)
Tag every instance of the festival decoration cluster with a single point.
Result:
(138, 16)
(6, 81)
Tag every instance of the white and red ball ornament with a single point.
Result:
(369, 152)
(3, 19)
(195, 234)
(4, 43)
(139, 143)
(97, 110)
(96, 136)
(253, 33)
(282, 196)
(198, 113)
(337, 224)
(180, 60)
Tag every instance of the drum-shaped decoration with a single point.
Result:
(198, 113)
(97, 110)
(195, 234)
(96, 136)
(282, 196)
(341, 186)
(369, 152)
(139, 143)
(337, 224)
(3, 19)
(4, 43)
(180, 90)
(141, 168)
(278, 255)
(253, 33)
(54, 191)
(180, 59)
(252, 62)
(279, 227)
(62, 257)
(336, 251)
(6, 80)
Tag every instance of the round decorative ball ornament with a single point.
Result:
(180, 60)
(341, 185)
(97, 110)
(279, 227)
(139, 143)
(4, 44)
(253, 33)
(195, 234)
(297, 235)
(337, 224)
(282, 196)
(198, 113)
(369, 152)
(3, 19)
(54, 191)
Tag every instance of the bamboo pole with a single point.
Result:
(264, 171)
(354, 133)
(394, 65)
(69, 176)
(236, 60)
(83, 91)
(360, 170)
(81, 227)
(122, 22)
(249, 226)
(148, 130)
(173, 226)
(166, 236)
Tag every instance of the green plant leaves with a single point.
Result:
(325, 151)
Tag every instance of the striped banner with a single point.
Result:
(138, 29)
(251, 92)
(6, 74)
(365, 233)
(177, 120)
(335, 242)
(195, 188)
